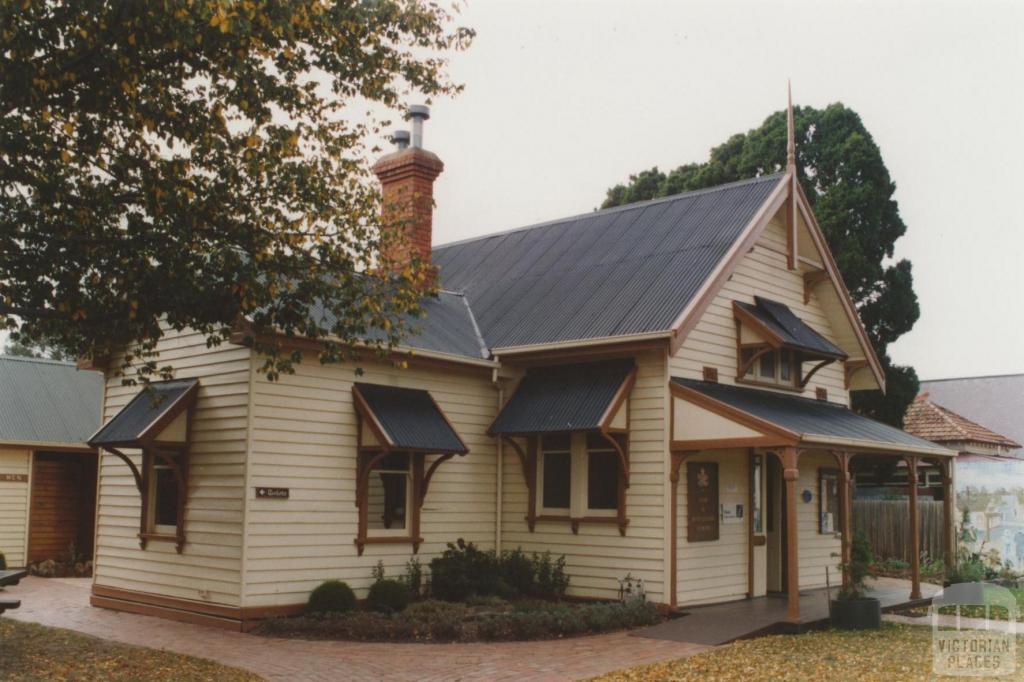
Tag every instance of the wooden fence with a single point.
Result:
(887, 526)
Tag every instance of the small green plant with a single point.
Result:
(331, 596)
(388, 596)
(378, 572)
(3, 562)
(414, 578)
(859, 567)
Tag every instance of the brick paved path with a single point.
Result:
(65, 603)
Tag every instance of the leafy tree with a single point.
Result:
(841, 170)
(193, 163)
(20, 350)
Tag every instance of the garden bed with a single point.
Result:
(488, 620)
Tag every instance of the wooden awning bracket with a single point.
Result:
(131, 465)
(814, 370)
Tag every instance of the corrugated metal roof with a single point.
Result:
(149, 405)
(621, 271)
(562, 398)
(808, 417)
(791, 329)
(411, 419)
(995, 401)
(448, 327)
(43, 401)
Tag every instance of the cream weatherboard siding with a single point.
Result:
(716, 570)
(817, 551)
(14, 504)
(597, 557)
(762, 272)
(304, 438)
(209, 568)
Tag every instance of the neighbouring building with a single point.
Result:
(989, 471)
(660, 389)
(48, 410)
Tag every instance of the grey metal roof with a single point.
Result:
(621, 271)
(145, 409)
(995, 402)
(43, 401)
(791, 329)
(411, 419)
(448, 327)
(562, 398)
(808, 417)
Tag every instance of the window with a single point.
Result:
(779, 367)
(602, 474)
(756, 475)
(579, 475)
(389, 494)
(556, 472)
(828, 501)
(162, 506)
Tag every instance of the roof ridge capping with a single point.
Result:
(615, 209)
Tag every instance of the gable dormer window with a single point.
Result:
(763, 365)
(773, 344)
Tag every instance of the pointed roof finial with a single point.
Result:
(790, 133)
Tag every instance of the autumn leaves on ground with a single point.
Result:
(894, 653)
(30, 652)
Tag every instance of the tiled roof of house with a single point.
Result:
(44, 401)
(995, 401)
(934, 422)
(621, 271)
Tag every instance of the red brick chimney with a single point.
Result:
(407, 186)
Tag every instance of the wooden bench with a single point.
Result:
(8, 578)
(6, 604)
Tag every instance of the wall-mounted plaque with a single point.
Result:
(14, 478)
(272, 493)
(701, 501)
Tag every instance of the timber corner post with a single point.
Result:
(915, 539)
(789, 458)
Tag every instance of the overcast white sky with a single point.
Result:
(564, 99)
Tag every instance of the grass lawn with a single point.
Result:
(34, 652)
(896, 652)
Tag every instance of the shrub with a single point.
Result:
(859, 567)
(563, 621)
(331, 596)
(463, 571)
(388, 596)
(3, 562)
(414, 578)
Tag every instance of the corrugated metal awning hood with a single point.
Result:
(151, 409)
(407, 419)
(563, 398)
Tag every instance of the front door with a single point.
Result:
(775, 526)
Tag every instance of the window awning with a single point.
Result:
(577, 397)
(719, 415)
(779, 326)
(406, 419)
(156, 414)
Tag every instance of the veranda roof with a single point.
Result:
(577, 397)
(809, 421)
(407, 419)
(147, 414)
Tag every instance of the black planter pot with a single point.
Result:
(857, 614)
